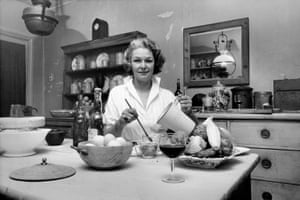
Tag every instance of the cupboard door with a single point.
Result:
(263, 190)
(12, 76)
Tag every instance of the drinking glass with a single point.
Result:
(172, 145)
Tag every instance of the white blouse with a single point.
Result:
(157, 101)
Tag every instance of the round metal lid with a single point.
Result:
(42, 172)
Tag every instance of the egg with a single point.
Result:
(98, 140)
(121, 140)
(107, 138)
(90, 144)
(114, 143)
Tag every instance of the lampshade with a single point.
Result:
(225, 59)
(38, 19)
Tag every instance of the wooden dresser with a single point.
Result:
(276, 138)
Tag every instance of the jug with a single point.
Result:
(173, 118)
(18, 110)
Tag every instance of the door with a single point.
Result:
(12, 75)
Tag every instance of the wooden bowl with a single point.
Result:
(104, 157)
(62, 113)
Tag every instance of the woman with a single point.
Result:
(142, 91)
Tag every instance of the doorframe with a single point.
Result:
(18, 38)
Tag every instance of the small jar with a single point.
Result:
(147, 148)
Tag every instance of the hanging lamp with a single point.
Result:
(225, 59)
(38, 19)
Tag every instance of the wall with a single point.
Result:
(274, 30)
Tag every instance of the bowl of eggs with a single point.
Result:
(104, 152)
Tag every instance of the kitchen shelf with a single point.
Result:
(96, 70)
(89, 53)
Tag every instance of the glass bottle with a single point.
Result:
(79, 127)
(96, 115)
(80, 123)
(178, 89)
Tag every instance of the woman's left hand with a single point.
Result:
(185, 103)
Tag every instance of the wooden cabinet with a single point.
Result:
(93, 63)
(276, 139)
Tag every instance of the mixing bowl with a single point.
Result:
(21, 142)
(104, 157)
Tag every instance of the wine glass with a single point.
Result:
(172, 145)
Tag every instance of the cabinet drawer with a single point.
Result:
(262, 190)
(266, 134)
(275, 165)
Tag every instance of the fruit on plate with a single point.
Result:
(213, 133)
(196, 144)
(209, 140)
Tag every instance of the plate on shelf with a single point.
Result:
(88, 85)
(78, 63)
(210, 163)
(102, 60)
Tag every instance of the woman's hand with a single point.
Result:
(185, 103)
(128, 115)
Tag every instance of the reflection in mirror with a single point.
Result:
(203, 46)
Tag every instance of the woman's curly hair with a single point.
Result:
(159, 59)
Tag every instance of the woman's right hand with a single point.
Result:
(128, 115)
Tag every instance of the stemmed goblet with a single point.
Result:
(172, 145)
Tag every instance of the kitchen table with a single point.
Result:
(138, 179)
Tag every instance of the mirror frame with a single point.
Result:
(187, 32)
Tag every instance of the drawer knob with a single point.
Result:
(266, 163)
(266, 196)
(265, 133)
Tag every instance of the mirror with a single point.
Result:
(201, 49)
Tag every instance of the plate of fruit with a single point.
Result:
(209, 146)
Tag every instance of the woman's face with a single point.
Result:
(142, 62)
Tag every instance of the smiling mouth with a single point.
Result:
(143, 72)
